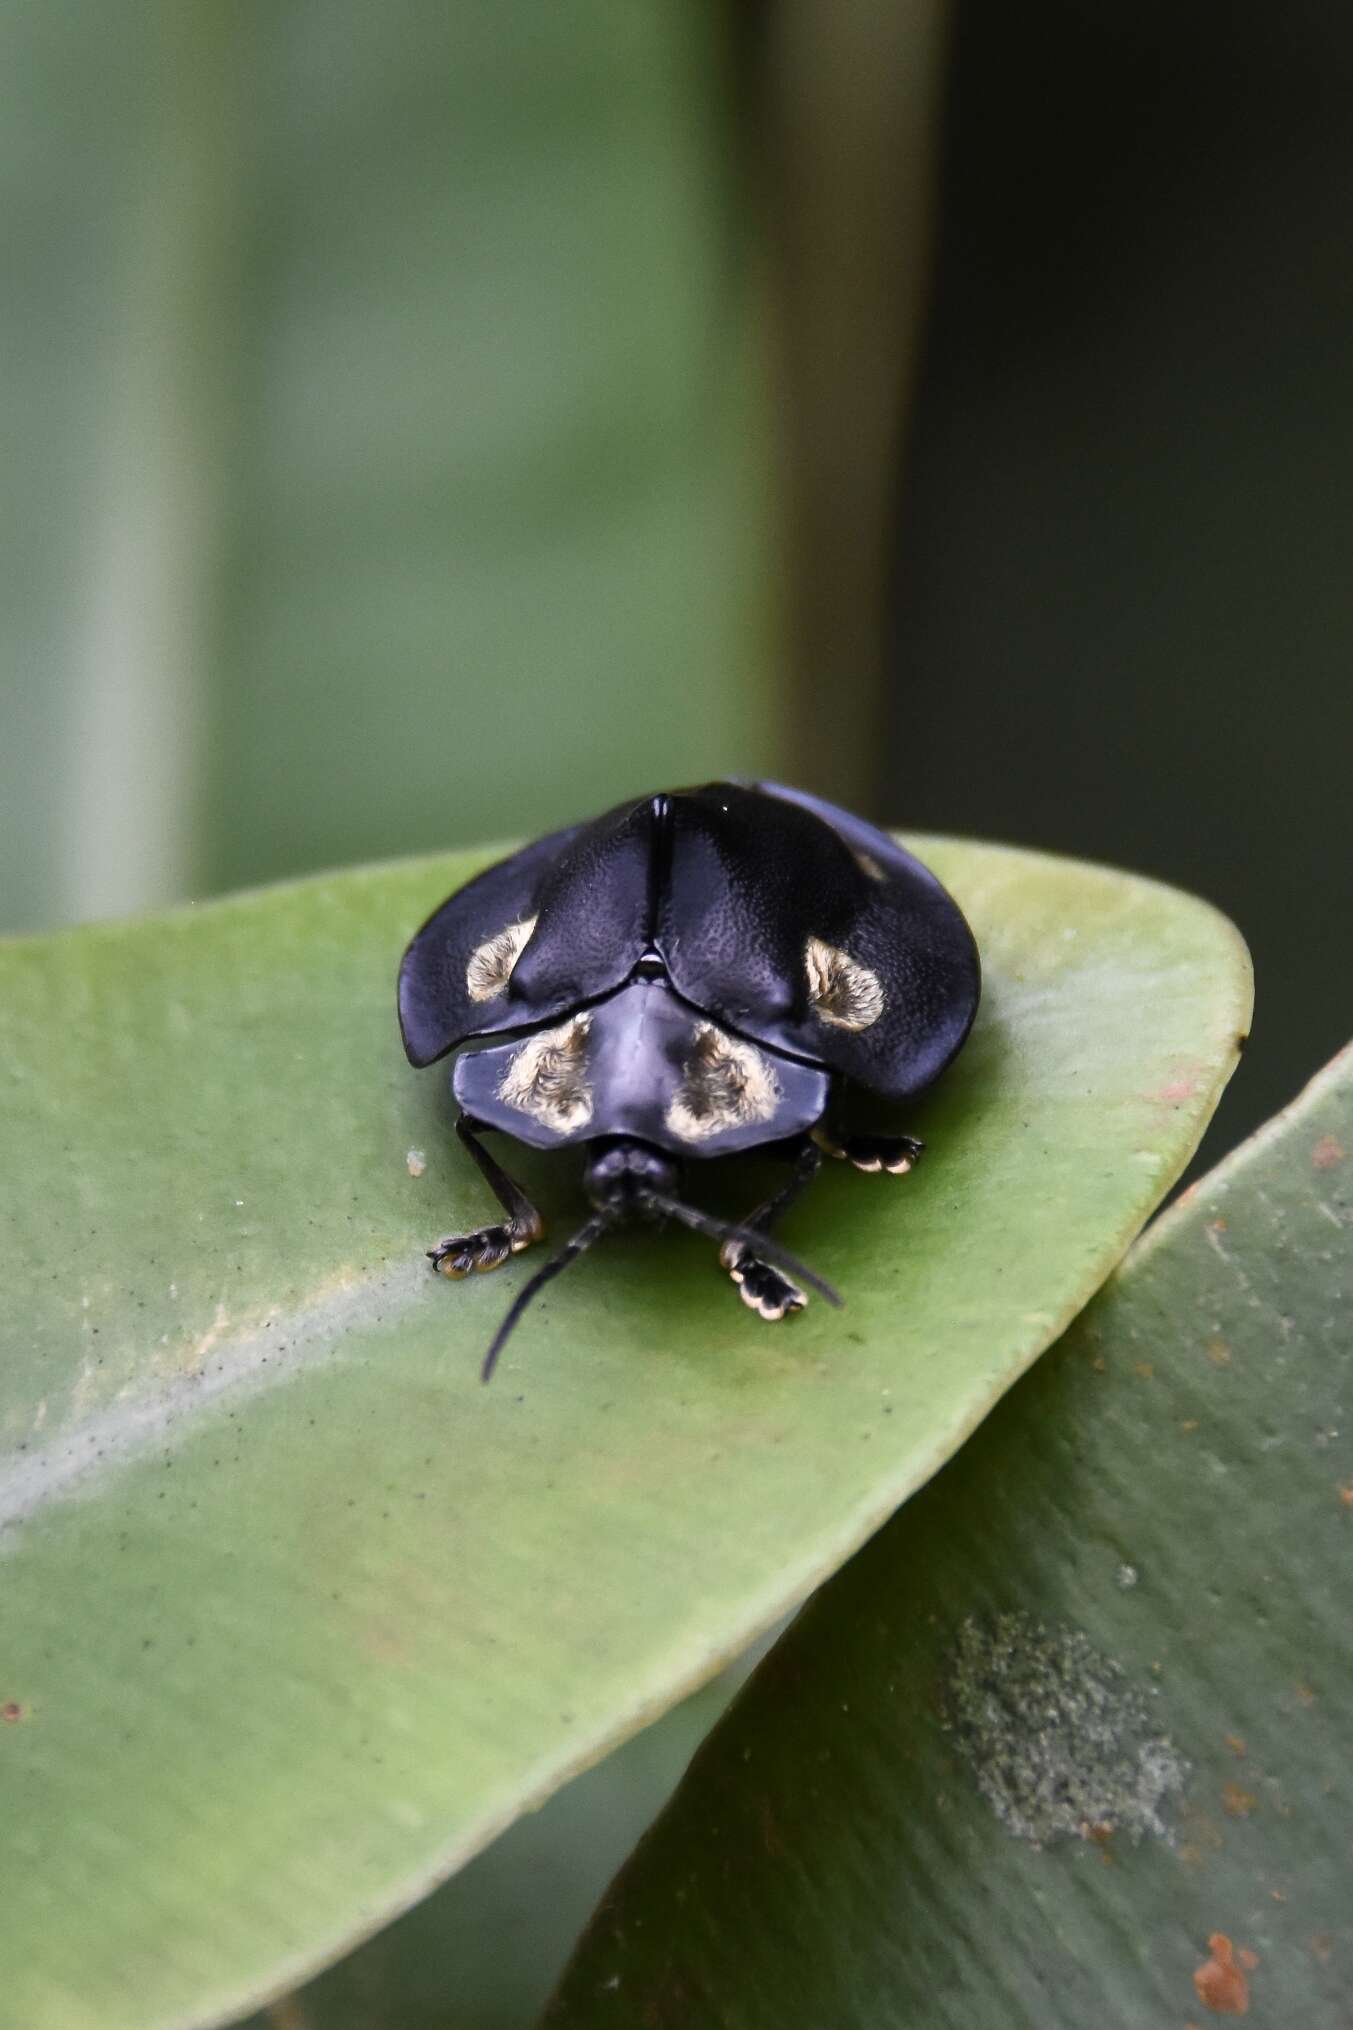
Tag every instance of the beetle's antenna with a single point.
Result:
(581, 1241)
(750, 1236)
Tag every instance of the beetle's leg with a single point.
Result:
(807, 1161)
(895, 1153)
(761, 1286)
(489, 1246)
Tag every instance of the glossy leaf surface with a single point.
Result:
(297, 1615)
(484, 1951)
(1069, 1742)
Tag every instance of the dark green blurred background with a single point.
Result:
(425, 423)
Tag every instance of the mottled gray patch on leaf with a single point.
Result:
(1061, 1743)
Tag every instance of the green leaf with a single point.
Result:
(298, 1615)
(484, 1951)
(1069, 1742)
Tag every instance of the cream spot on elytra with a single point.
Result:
(842, 991)
(490, 964)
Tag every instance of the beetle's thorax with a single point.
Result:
(622, 1172)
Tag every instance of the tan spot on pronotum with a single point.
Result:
(725, 1083)
(547, 1077)
(490, 965)
(842, 991)
(1222, 1982)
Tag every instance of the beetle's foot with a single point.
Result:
(469, 1254)
(895, 1153)
(763, 1289)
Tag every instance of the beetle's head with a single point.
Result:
(622, 1175)
(627, 1179)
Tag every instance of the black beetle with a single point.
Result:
(696, 973)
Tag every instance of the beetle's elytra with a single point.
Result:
(693, 974)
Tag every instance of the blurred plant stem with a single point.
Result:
(132, 756)
(390, 404)
(852, 99)
(387, 433)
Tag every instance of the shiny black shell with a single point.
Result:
(780, 918)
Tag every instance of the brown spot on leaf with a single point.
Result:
(1327, 1153)
(1322, 1945)
(1237, 1803)
(1236, 1744)
(1346, 1495)
(1305, 1695)
(1203, 1836)
(11, 1711)
(1189, 1424)
(1219, 1353)
(1216, 1226)
(1221, 1981)
(1177, 1090)
(286, 2013)
(1144, 1369)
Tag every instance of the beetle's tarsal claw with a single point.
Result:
(897, 1154)
(767, 1291)
(475, 1253)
